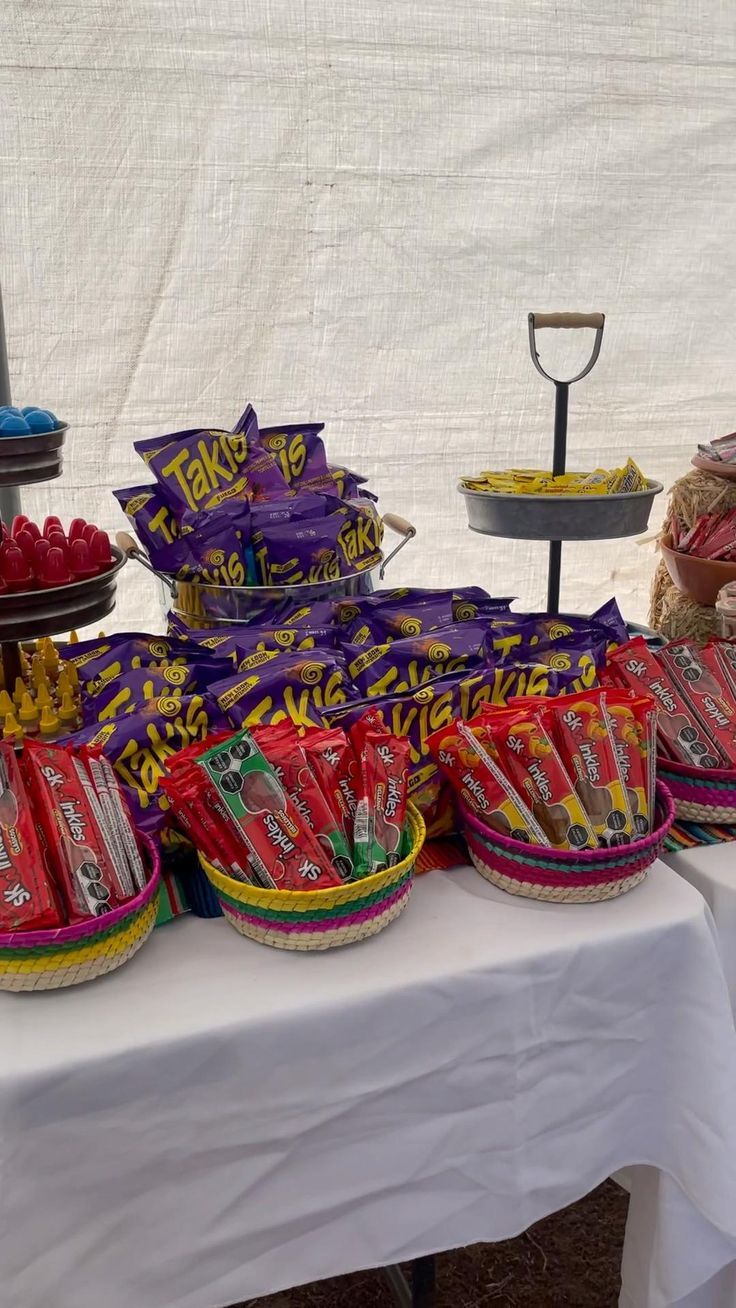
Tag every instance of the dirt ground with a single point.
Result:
(570, 1260)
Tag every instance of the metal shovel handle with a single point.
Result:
(566, 320)
(132, 550)
(402, 527)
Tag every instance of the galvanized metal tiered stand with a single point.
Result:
(556, 518)
(27, 460)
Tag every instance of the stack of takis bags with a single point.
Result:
(251, 507)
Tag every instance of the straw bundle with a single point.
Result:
(671, 613)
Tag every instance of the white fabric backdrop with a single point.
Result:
(342, 210)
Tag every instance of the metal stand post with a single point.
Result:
(559, 460)
(9, 495)
(562, 391)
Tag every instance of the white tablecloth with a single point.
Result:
(219, 1120)
(712, 870)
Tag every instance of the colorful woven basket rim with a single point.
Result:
(87, 930)
(578, 860)
(704, 776)
(238, 892)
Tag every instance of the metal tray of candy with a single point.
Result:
(28, 459)
(560, 517)
(27, 614)
(207, 606)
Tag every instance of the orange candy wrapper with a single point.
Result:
(579, 726)
(467, 756)
(530, 759)
(632, 722)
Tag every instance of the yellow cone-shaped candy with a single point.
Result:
(11, 730)
(68, 713)
(73, 638)
(28, 714)
(19, 692)
(6, 705)
(71, 672)
(49, 724)
(43, 696)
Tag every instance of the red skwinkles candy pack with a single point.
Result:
(27, 899)
(281, 747)
(582, 735)
(89, 882)
(381, 812)
(281, 845)
(530, 759)
(702, 688)
(332, 761)
(680, 734)
(468, 758)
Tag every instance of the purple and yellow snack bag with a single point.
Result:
(139, 744)
(127, 694)
(109, 658)
(152, 519)
(299, 452)
(299, 687)
(403, 665)
(215, 547)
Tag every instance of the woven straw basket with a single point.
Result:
(700, 795)
(320, 919)
(580, 877)
(48, 960)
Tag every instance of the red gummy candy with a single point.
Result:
(81, 562)
(18, 523)
(54, 570)
(40, 550)
(58, 540)
(15, 567)
(89, 532)
(51, 521)
(100, 552)
(24, 540)
(76, 528)
(32, 530)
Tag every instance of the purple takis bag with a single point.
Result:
(299, 453)
(130, 692)
(405, 664)
(296, 686)
(296, 553)
(215, 547)
(279, 640)
(139, 744)
(109, 658)
(321, 613)
(296, 508)
(154, 522)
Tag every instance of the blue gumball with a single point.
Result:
(40, 420)
(12, 424)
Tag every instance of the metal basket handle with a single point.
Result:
(403, 528)
(132, 550)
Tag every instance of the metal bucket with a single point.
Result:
(201, 605)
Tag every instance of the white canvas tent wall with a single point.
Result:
(342, 210)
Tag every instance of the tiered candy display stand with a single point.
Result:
(26, 615)
(557, 518)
